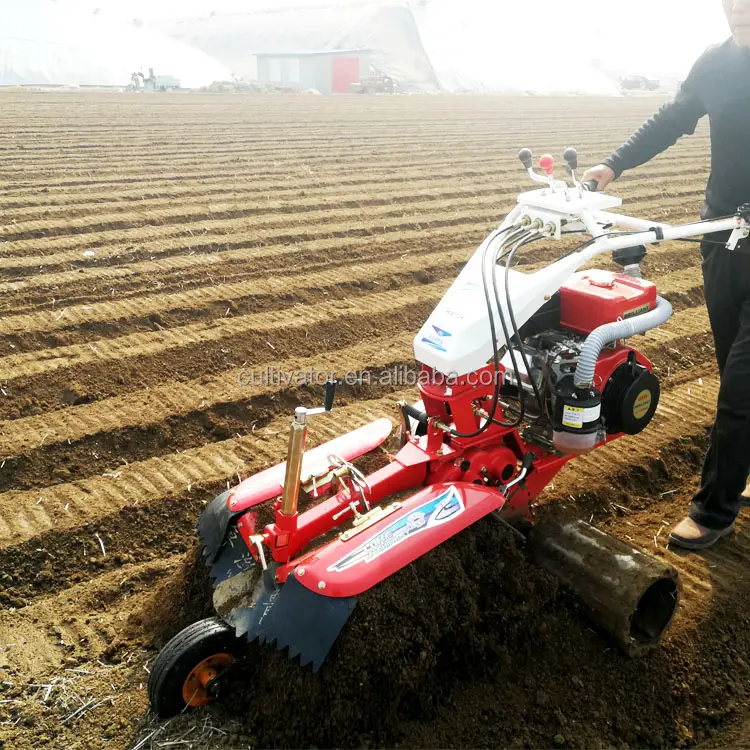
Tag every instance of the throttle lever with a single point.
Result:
(331, 384)
(526, 157)
(330, 394)
(571, 158)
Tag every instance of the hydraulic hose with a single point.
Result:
(621, 329)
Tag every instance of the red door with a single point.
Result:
(345, 72)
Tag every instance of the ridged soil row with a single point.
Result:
(156, 193)
(242, 333)
(25, 515)
(190, 261)
(133, 313)
(369, 213)
(244, 145)
(57, 512)
(150, 405)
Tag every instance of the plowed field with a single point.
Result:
(153, 247)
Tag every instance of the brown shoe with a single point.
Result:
(691, 535)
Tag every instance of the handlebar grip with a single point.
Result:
(526, 157)
(571, 157)
(330, 393)
(414, 413)
(591, 185)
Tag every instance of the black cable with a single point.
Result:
(508, 255)
(516, 331)
(593, 240)
(516, 371)
(496, 359)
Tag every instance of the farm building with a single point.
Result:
(45, 43)
(442, 45)
(241, 40)
(327, 71)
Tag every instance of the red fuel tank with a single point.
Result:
(593, 298)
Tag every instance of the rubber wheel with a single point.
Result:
(185, 673)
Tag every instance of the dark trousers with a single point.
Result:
(726, 276)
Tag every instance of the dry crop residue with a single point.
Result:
(152, 249)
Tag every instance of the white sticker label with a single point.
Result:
(573, 417)
(592, 414)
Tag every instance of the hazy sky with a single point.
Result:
(651, 36)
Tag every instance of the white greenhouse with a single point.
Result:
(48, 43)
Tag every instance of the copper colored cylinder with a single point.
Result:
(295, 454)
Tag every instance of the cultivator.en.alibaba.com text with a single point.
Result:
(394, 376)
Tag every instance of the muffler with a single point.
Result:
(629, 594)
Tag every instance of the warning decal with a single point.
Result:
(573, 417)
(642, 404)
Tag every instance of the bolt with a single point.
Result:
(322, 585)
(483, 470)
(301, 572)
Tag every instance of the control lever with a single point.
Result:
(571, 159)
(328, 401)
(296, 451)
(527, 159)
(547, 163)
(571, 164)
(591, 185)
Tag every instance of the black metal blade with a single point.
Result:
(233, 558)
(213, 524)
(248, 620)
(293, 617)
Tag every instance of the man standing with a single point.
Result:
(719, 86)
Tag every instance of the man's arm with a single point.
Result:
(679, 117)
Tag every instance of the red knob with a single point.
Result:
(547, 163)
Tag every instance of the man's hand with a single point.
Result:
(601, 173)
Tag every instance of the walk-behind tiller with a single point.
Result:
(519, 373)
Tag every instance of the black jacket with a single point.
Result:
(718, 85)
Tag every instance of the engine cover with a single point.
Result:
(595, 298)
(630, 399)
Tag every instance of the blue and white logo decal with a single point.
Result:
(441, 332)
(433, 513)
(433, 344)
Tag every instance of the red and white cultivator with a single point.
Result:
(520, 373)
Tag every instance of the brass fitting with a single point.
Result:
(294, 456)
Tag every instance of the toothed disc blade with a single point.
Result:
(305, 622)
(293, 617)
(249, 620)
(213, 525)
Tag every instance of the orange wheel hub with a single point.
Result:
(194, 689)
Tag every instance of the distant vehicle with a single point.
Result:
(640, 83)
(139, 82)
(375, 83)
